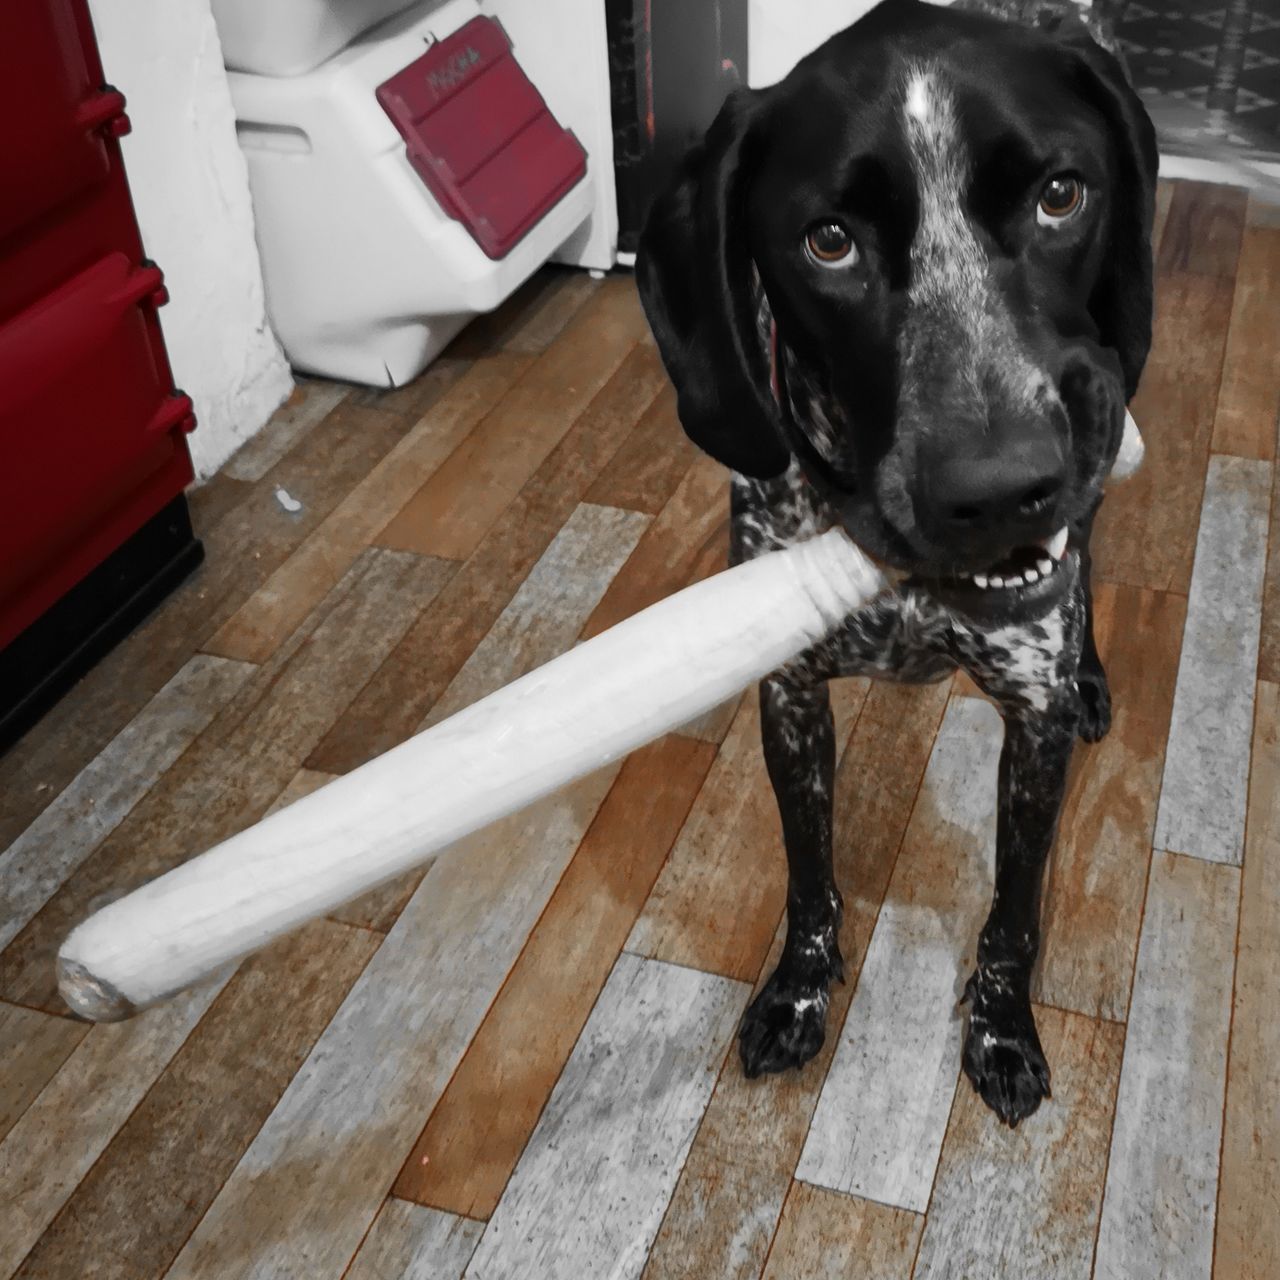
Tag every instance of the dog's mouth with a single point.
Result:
(1022, 567)
(1027, 581)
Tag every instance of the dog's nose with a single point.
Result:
(1013, 490)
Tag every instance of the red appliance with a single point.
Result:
(93, 457)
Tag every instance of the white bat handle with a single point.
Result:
(1131, 453)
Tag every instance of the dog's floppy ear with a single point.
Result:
(694, 272)
(1122, 300)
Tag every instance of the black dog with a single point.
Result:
(908, 290)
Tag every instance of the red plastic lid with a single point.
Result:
(481, 137)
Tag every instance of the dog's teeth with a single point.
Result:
(1045, 565)
(1057, 545)
(997, 581)
(981, 580)
(1031, 575)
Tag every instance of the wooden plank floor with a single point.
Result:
(522, 1062)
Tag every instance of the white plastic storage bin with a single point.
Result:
(290, 37)
(367, 278)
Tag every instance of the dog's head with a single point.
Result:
(921, 265)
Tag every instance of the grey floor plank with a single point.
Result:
(36, 864)
(1206, 772)
(411, 1242)
(1158, 1212)
(311, 400)
(33, 1047)
(314, 1178)
(587, 1196)
(882, 1114)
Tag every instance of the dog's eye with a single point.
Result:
(829, 245)
(1062, 197)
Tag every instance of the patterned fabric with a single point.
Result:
(1050, 15)
(1209, 73)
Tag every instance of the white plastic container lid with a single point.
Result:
(290, 37)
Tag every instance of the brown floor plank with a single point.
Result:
(60, 1135)
(717, 901)
(404, 690)
(532, 317)
(1098, 872)
(135, 1208)
(33, 1046)
(302, 784)
(469, 1147)
(731, 1191)
(238, 766)
(687, 541)
(261, 624)
(409, 401)
(1202, 230)
(240, 553)
(1146, 531)
(1023, 1203)
(648, 468)
(214, 499)
(465, 497)
(312, 400)
(1248, 1230)
(824, 1235)
(1269, 640)
(1249, 398)
(541, 325)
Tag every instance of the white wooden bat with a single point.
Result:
(588, 707)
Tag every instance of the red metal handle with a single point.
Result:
(176, 412)
(104, 109)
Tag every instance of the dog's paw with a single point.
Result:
(784, 1026)
(1095, 705)
(1005, 1064)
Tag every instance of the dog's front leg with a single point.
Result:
(786, 1023)
(1002, 1054)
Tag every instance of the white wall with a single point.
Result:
(191, 191)
(781, 32)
